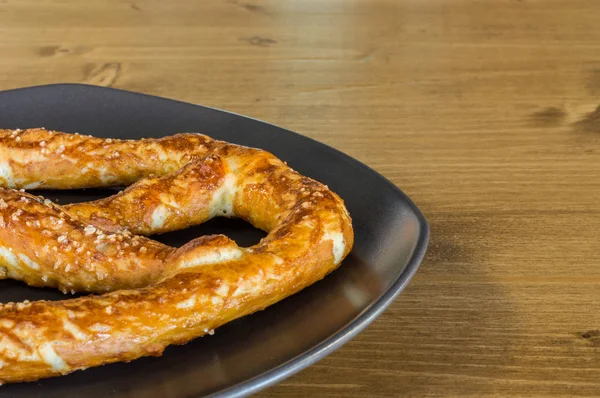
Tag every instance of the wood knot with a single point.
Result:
(548, 117)
(104, 75)
(590, 334)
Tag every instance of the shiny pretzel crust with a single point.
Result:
(150, 295)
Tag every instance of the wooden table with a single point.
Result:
(485, 112)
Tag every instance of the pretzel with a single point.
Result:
(149, 295)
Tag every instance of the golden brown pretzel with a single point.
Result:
(153, 295)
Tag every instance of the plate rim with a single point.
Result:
(355, 326)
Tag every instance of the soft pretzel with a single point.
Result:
(149, 295)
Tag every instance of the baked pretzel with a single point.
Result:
(150, 295)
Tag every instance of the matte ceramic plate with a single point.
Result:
(254, 352)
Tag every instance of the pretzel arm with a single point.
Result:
(156, 205)
(39, 158)
(43, 245)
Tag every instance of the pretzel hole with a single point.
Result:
(77, 195)
(16, 291)
(242, 232)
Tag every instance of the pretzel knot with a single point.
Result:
(149, 295)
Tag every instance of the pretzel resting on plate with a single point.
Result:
(149, 295)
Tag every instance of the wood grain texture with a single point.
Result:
(485, 112)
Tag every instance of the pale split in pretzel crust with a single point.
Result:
(149, 295)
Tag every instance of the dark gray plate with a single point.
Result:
(259, 350)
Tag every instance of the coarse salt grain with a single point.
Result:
(89, 230)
